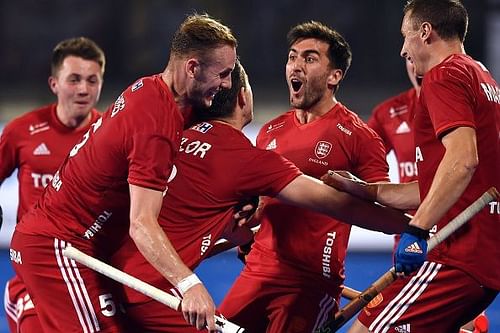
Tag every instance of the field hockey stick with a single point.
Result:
(353, 307)
(221, 323)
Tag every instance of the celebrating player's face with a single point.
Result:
(307, 70)
(77, 85)
(412, 49)
(212, 75)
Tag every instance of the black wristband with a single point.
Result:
(416, 231)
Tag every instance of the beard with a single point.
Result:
(314, 90)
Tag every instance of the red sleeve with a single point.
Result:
(8, 152)
(449, 99)
(371, 164)
(265, 173)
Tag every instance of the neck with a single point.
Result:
(442, 50)
(235, 122)
(175, 79)
(316, 111)
(72, 122)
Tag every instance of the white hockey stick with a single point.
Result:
(221, 323)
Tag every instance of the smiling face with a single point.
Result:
(211, 75)
(414, 47)
(77, 84)
(308, 73)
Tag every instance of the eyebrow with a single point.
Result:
(306, 51)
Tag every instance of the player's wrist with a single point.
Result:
(417, 231)
(187, 283)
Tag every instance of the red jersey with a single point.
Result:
(217, 167)
(88, 201)
(461, 92)
(393, 121)
(312, 242)
(36, 143)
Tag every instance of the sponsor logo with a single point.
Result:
(414, 248)
(273, 127)
(15, 256)
(119, 105)
(97, 225)
(138, 85)
(327, 254)
(343, 129)
(202, 127)
(405, 328)
(37, 128)
(394, 112)
(41, 149)
(205, 244)
(494, 207)
(41, 180)
(419, 157)
(403, 128)
(272, 145)
(322, 149)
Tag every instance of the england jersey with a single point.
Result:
(461, 92)
(311, 242)
(36, 143)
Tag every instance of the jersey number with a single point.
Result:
(86, 136)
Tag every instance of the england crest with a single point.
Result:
(323, 148)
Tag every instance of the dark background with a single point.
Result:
(135, 36)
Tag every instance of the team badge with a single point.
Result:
(323, 149)
(375, 301)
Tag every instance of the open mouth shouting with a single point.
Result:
(296, 85)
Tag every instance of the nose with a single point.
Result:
(403, 52)
(226, 82)
(83, 88)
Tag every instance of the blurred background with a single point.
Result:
(135, 35)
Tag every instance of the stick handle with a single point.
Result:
(353, 307)
(221, 323)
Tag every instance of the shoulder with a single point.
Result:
(352, 122)
(455, 69)
(277, 122)
(390, 106)
(31, 120)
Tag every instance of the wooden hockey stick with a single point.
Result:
(353, 307)
(221, 323)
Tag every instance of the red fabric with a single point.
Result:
(436, 298)
(393, 121)
(217, 167)
(454, 94)
(135, 143)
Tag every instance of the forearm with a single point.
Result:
(451, 179)
(158, 250)
(404, 196)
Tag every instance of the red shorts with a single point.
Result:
(437, 298)
(275, 304)
(152, 316)
(20, 310)
(68, 297)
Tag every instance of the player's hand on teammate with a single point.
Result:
(245, 212)
(243, 251)
(198, 308)
(347, 182)
(411, 251)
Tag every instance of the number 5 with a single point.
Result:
(108, 307)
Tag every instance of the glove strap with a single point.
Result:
(185, 284)
(416, 231)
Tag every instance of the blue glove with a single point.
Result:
(411, 251)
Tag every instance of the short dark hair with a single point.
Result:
(448, 17)
(224, 102)
(339, 51)
(81, 47)
(200, 33)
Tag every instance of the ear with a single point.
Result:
(242, 98)
(192, 67)
(335, 77)
(53, 84)
(425, 33)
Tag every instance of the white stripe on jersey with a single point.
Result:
(78, 303)
(326, 306)
(10, 308)
(411, 291)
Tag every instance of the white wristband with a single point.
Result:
(186, 283)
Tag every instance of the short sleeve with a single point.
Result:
(371, 164)
(377, 124)
(8, 152)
